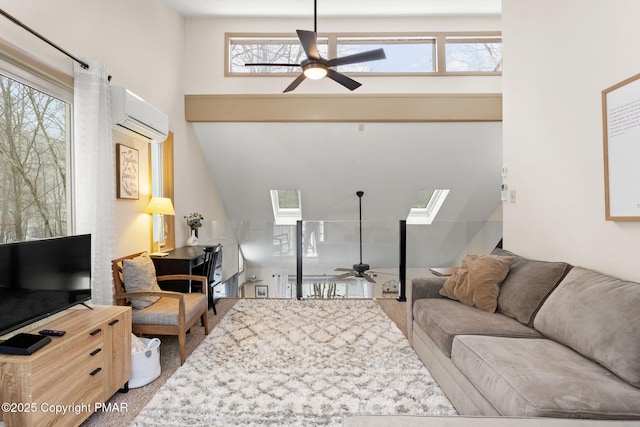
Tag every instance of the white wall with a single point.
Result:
(142, 44)
(559, 56)
(205, 50)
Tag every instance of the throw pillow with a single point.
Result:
(527, 286)
(139, 274)
(477, 282)
(455, 280)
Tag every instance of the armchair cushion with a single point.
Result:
(477, 281)
(139, 274)
(165, 311)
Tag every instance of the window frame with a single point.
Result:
(261, 38)
(285, 216)
(440, 41)
(462, 38)
(161, 171)
(427, 214)
(24, 68)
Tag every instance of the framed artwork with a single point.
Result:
(262, 291)
(621, 123)
(127, 172)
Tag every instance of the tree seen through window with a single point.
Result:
(33, 166)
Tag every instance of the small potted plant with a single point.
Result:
(194, 221)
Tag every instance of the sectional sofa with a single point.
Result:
(562, 342)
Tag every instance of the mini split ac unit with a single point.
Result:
(133, 114)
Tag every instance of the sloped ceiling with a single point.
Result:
(329, 162)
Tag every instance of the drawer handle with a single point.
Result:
(95, 371)
(113, 322)
(96, 351)
(96, 332)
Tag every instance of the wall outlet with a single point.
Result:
(512, 196)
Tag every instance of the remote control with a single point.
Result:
(52, 332)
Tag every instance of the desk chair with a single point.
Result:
(171, 313)
(211, 254)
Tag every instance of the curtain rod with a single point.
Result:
(44, 39)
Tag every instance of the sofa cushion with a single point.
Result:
(443, 319)
(598, 316)
(477, 281)
(527, 285)
(542, 378)
(139, 274)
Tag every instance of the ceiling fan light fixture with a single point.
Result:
(315, 71)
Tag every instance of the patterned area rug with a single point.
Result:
(297, 363)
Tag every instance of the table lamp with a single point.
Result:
(160, 206)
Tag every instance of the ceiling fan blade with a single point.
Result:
(343, 269)
(345, 81)
(343, 276)
(371, 55)
(271, 64)
(309, 42)
(295, 83)
(368, 278)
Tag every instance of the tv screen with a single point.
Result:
(42, 277)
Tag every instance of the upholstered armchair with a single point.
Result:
(155, 311)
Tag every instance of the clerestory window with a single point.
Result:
(469, 54)
(441, 53)
(269, 50)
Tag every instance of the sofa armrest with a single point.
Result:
(426, 287)
(420, 288)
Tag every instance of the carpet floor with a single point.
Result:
(136, 399)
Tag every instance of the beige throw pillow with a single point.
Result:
(477, 281)
(139, 274)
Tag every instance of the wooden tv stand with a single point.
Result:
(72, 373)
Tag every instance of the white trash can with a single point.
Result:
(145, 364)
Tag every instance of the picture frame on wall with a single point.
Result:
(127, 172)
(621, 131)
(262, 291)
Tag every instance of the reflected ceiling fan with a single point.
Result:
(358, 270)
(315, 67)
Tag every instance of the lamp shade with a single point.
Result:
(160, 205)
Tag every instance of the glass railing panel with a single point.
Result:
(331, 249)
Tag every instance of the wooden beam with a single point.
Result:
(344, 108)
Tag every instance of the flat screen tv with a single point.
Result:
(42, 277)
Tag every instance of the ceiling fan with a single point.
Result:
(315, 67)
(358, 270)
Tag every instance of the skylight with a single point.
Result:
(286, 206)
(426, 206)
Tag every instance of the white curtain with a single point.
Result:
(94, 173)
(282, 286)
